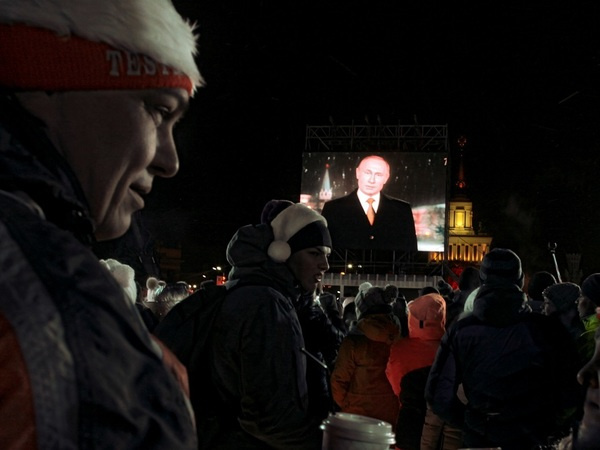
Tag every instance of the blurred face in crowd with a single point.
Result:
(372, 174)
(585, 306)
(116, 142)
(548, 307)
(589, 430)
(309, 265)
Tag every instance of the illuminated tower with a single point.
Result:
(325, 193)
(465, 245)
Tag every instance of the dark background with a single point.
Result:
(520, 82)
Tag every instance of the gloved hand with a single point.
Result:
(330, 304)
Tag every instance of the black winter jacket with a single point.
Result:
(84, 371)
(517, 370)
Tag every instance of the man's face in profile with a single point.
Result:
(372, 174)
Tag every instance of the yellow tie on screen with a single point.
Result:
(371, 211)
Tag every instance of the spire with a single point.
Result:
(326, 193)
(460, 181)
(460, 186)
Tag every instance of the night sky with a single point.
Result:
(522, 83)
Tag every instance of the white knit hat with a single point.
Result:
(96, 44)
(154, 286)
(362, 290)
(470, 301)
(125, 276)
(371, 301)
(295, 228)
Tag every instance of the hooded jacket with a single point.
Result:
(257, 362)
(323, 330)
(419, 349)
(517, 370)
(358, 382)
(79, 368)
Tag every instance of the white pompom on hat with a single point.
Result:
(295, 228)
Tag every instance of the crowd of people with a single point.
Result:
(91, 93)
(503, 372)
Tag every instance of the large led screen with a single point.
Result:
(418, 179)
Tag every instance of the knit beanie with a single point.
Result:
(427, 316)
(563, 295)
(295, 227)
(69, 45)
(125, 276)
(591, 288)
(372, 301)
(538, 282)
(501, 264)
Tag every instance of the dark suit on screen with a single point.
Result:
(393, 228)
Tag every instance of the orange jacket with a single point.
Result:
(359, 384)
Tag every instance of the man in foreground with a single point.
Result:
(91, 91)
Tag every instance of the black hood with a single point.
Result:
(30, 165)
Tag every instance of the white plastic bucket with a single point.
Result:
(344, 431)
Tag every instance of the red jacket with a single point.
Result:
(426, 320)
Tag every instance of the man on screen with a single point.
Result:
(353, 225)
